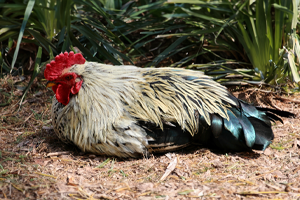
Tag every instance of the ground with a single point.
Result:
(34, 164)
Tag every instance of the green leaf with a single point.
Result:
(205, 17)
(104, 163)
(293, 68)
(282, 8)
(43, 41)
(26, 16)
(168, 50)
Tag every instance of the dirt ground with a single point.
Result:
(34, 164)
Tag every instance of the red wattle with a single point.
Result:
(63, 93)
(75, 89)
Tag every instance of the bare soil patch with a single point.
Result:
(34, 164)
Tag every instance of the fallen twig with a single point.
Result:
(59, 153)
(287, 100)
(45, 175)
(257, 192)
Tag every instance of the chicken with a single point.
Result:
(127, 111)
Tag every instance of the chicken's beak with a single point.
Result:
(50, 84)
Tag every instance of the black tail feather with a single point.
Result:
(245, 123)
(263, 134)
(273, 117)
(281, 113)
(247, 127)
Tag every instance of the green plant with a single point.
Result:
(58, 26)
(266, 33)
(257, 31)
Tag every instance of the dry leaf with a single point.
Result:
(71, 181)
(169, 169)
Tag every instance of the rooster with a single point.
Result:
(127, 111)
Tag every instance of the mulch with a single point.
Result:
(34, 164)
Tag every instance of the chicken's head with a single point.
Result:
(62, 81)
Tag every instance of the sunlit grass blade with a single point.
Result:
(293, 68)
(26, 16)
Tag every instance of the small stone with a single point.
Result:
(267, 152)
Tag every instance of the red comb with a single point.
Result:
(61, 62)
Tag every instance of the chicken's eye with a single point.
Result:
(69, 77)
